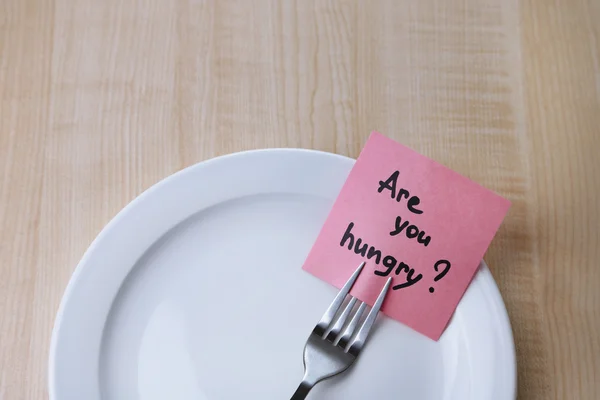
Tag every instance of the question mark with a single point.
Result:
(441, 274)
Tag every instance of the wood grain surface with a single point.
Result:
(101, 99)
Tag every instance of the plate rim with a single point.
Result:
(495, 298)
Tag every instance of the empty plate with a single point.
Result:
(195, 291)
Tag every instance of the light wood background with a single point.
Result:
(101, 99)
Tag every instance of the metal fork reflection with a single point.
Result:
(332, 347)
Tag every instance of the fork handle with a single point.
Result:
(302, 391)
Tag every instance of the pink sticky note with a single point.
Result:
(405, 215)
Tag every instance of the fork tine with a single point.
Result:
(342, 341)
(335, 305)
(360, 339)
(339, 324)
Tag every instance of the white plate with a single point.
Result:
(195, 291)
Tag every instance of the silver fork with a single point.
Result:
(328, 352)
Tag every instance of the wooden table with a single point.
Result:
(101, 99)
